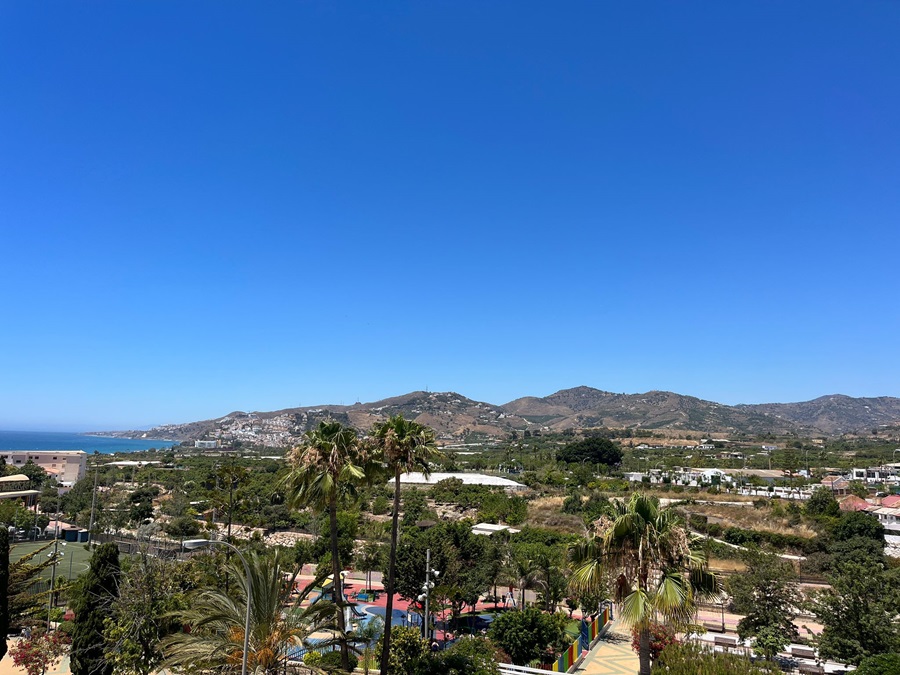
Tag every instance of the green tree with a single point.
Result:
(25, 605)
(658, 575)
(408, 648)
(404, 446)
(92, 602)
(215, 640)
(150, 589)
(822, 503)
(858, 524)
(4, 589)
(882, 664)
(768, 595)
(526, 635)
(594, 450)
(858, 613)
(330, 463)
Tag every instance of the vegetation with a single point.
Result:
(656, 572)
(527, 634)
(690, 659)
(92, 603)
(327, 466)
(767, 594)
(215, 621)
(404, 446)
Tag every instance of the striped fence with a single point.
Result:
(589, 632)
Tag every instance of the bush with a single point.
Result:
(690, 659)
(526, 634)
(331, 661)
(380, 505)
(661, 636)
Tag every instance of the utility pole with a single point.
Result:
(93, 506)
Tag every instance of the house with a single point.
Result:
(854, 503)
(891, 501)
(837, 484)
(890, 518)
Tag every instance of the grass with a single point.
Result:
(75, 557)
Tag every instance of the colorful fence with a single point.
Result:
(588, 633)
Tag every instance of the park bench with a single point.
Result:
(713, 627)
(803, 652)
(809, 669)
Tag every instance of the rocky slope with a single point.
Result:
(454, 416)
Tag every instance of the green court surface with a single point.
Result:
(75, 556)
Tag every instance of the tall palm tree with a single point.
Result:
(405, 446)
(657, 575)
(330, 463)
(215, 641)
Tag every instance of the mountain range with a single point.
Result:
(455, 417)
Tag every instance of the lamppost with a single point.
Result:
(193, 545)
(430, 575)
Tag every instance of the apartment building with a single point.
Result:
(67, 466)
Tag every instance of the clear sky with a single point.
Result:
(209, 205)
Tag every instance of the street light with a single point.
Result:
(193, 545)
(430, 575)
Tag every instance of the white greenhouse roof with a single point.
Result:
(418, 478)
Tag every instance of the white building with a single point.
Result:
(67, 466)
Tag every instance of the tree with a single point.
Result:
(882, 664)
(370, 560)
(150, 590)
(593, 449)
(658, 575)
(525, 635)
(92, 603)
(215, 640)
(768, 595)
(858, 613)
(4, 589)
(404, 446)
(330, 463)
(23, 604)
(822, 503)
(460, 556)
(409, 647)
(858, 524)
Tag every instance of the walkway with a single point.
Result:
(612, 655)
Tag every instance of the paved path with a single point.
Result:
(612, 655)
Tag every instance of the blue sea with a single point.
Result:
(55, 440)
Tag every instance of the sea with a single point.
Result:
(57, 440)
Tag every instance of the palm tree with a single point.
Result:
(405, 446)
(524, 574)
(329, 464)
(657, 575)
(215, 640)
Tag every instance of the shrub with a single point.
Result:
(661, 636)
(690, 659)
(331, 661)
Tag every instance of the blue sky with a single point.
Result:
(210, 206)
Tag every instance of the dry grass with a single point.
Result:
(749, 518)
(547, 512)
